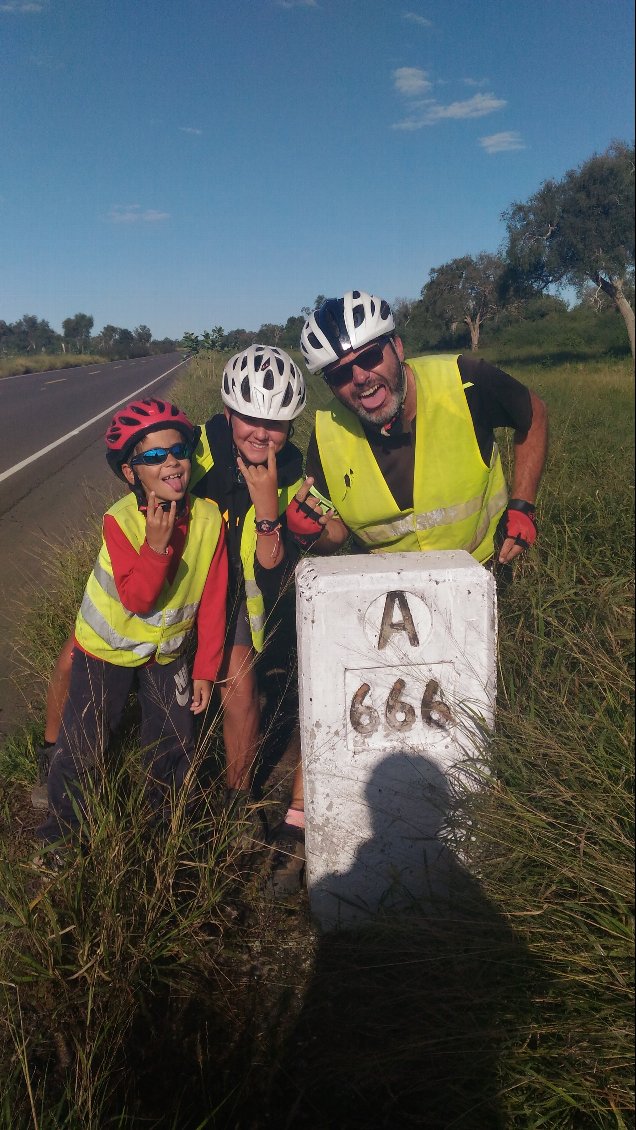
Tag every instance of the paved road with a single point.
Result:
(45, 494)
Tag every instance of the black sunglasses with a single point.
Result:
(369, 359)
(157, 455)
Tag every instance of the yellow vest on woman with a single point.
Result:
(107, 630)
(202, 462)
(457, 498)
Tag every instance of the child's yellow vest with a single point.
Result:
(107, 630)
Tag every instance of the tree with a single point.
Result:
(107, 339)
(270, 333)
(33, 335)
(467, 290)
(77, 332)
(580, 230)
(190, 342)
(124, 343)
(143, 335)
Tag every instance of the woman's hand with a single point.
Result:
(261, 480)
(159, 524)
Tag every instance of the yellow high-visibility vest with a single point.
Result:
(107, 630)
(457, 498)
(202, 462)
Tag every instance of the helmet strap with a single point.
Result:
(394, 427)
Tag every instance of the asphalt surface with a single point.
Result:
(45, 495)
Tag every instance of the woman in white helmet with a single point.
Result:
(246, 463)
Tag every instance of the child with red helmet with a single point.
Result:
(161, 571)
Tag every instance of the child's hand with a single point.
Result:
(201, 692)
(159, 524)
(261, 480)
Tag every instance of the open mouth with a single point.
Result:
(373, 397)
(174, 482)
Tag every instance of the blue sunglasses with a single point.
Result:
(157, 455)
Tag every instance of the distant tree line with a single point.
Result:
(576, 232)
(31, 335)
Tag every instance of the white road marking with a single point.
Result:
(87, 424)
(58, 381)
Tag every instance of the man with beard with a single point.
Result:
(406, 455)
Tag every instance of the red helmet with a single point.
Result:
(136, 420)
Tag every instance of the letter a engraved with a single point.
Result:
(389, 625)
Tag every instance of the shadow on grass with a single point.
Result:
(405, 1018)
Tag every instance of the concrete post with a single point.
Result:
(397, 683)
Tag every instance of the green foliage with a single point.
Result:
(466, 290)
(581, 227)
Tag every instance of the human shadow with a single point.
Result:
(411, 1006)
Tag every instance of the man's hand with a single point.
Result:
(261, 480)
(307, 501)
(159, 524)
(334, 533)
(516, 531)
(201, 692)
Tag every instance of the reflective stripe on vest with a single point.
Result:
(458, 500)
(106, 629)
(253, 595)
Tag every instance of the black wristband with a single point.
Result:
(267, 525)
(521, 504)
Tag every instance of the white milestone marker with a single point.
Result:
(397, 679)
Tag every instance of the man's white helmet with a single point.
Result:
(263, 381)
(343, 324)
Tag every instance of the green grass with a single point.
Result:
(151, 986)
(43, 362)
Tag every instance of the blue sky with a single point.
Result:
(191, 163)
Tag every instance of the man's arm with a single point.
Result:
(530, 454)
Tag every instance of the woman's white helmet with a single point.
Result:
(263, 381)
(343, 324)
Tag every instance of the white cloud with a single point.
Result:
(135, 214)
(475, 81)
(502, 142)
(415, 19)
(430, 112)
(19, 6)
(190, 129)
(411, 81)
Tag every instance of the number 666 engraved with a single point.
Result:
(399, 715)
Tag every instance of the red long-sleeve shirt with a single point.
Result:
(140, 577)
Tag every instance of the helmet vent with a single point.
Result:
(245, 390)
(287, 398)
(268, 380)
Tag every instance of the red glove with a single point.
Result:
(302, 523)
(518, 522)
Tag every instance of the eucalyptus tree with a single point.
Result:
(580, 230)
(468, 291)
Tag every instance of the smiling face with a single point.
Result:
(370, 381)
(252, 436)
(169, 480)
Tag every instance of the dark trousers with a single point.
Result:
(97, 698)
